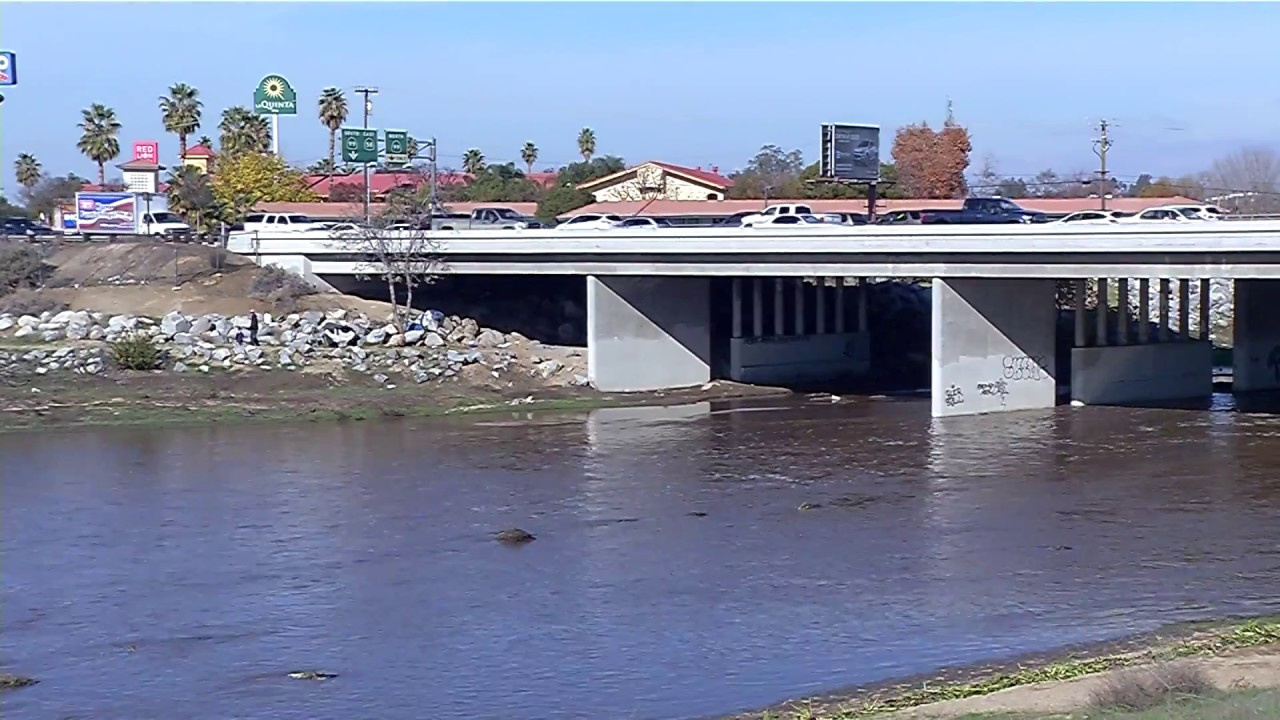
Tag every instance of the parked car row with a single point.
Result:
(1164, 213)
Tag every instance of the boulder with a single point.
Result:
(432, 340)
(174, 323)
(375, 337)
(413, 337)
(201, 325)
(6, 322)
(547, 368)
(514, 536)
(489, 338)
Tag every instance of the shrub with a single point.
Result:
(135, 352)
(279, 287)
(1144, 688)
(21, 266)
(29, 302)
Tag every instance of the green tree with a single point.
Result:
(28, 171)
(498, 183)
(191, 194)
(333, 113)
(243, 132)
(206, 141)
(180, 110)
(248, 178)
(587, 144)
(99, 139)
(529, 154)
(413, 148)
(565, 196)
(52, 192)
(772, 173)
(473, 162)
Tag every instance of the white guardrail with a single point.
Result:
(1244, 236)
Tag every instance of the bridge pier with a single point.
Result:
(789, 330)
(648, 333)
(993, 345)
(1109, 366)
(1256, 353)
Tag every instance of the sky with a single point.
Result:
(698, 84)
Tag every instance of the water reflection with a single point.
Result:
(674, 574)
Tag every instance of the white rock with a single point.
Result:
(396, 340)
(28, 321)
(174, 323)
(413, 337)
(6, 322)
(432, 340)
(547, 368)
(179, 367)
(375, 337)
(490, 338)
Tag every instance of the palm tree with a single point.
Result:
(413, 148)
(242, 131)
(473, 162)
(98, 139)
(587, 144)
(529, 153)
(333, 113)
(206, 141)
(27, 168)
(191, 194)
(180, 111)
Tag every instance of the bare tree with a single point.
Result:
(650, 183)
(403, 251)
(1247, 181)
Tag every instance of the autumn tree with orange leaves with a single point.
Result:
(931, 163)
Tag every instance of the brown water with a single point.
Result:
(182, 573)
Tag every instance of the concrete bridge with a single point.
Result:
(660, 303)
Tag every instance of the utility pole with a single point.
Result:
(368, 108)
(432, 158)
(1100, 147)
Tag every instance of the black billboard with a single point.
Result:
(850, 152)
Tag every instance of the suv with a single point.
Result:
(24, 227)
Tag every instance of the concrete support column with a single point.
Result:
(1100, 330)
(737, 307)
(1082, 325)
(648, 333)
(757, 307)
(1184, 309)
(863, 303)
(799, 328)
(839, 305)
(1256, 356)
(1122, 307)
(779, 307)
(820, 312)
(1162, 327)
(1206, 333)
(993, 345)
(1144, 311)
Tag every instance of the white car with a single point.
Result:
(1196, 212)
(807, 222)
(776, 211)
(645, 223)
(1159, 214)
(590, 221)
(1095, 217)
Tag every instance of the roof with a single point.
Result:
(196, 151)
(381, 183)
(725, 208)
(140, 165)
(710, 178)
(355, 210)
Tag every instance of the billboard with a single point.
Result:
(105, 212)
(146, 151)
(850, 152)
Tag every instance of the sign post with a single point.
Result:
(396, 148)
(274, 96)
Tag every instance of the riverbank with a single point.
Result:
(1057, 682)
(163, 398)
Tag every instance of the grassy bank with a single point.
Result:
(154, 399)
(1238, 705)
(1173, 643)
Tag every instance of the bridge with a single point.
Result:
(796, 301)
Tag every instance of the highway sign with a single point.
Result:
(360, 145)
(397, 147)
(8, 68)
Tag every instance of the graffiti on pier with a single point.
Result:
(1024, 367)
(999, 389)
(953, 396)
(1273, 362)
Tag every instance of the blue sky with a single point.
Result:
(690, 83)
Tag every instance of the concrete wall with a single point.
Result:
(993, 345)
(298, 265)
(1137, 373)
(1257, 335)
(797, 358)
(648, 333)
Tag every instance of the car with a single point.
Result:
(1094, 217)
(844, 218)
(1196, 212)
(788, 222)
(590, 221)
(645, 223)
(1160, 214)
(775, 211)
(24, 227)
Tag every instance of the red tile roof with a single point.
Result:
(725, 208)
(199, 151)
(712, 178)
(381, 183)
(356, 210)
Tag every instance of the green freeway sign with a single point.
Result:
(397, 147)
(360, 145)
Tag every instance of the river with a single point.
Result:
(184, 572)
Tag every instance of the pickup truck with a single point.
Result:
(484, 218)
(272, 223)
(773, 211)
(978, 211)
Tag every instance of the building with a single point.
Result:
(340, 211)
(655, 180)
(199, 157)
(382, 183)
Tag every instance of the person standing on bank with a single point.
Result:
(253, 327)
